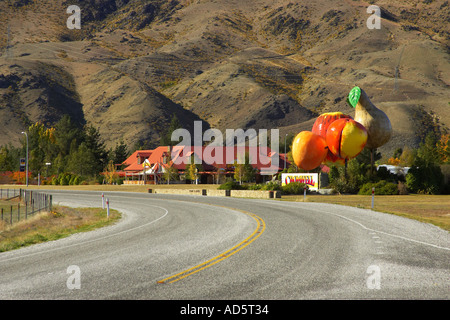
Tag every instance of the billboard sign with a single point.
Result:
(310, 179)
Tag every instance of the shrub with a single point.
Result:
(293, 188)
(64, 179)
(426, 179)
(231, 185)
(382, 187)
(255, 186)
(271, 185)
(55, 181)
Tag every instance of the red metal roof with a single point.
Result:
(213, 159)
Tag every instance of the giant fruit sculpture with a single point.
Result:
(376, 122)
(373, 119)
(346, 138)
(320, 127)
(336, 138)
(308, 150)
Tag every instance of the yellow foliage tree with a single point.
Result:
(443, 148)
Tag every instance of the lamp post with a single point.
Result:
(26, 135)
(47, 164)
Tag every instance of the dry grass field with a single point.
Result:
(426, 208)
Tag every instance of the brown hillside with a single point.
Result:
(234, 64)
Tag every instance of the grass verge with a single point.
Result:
(48, 226)
(432, 209)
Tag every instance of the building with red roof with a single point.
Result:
(149, 166)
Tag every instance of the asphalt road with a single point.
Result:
(200, 248)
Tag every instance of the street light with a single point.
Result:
(48, 164)
(26, 135)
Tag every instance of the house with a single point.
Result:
(216, 163)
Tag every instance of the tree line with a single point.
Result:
(65, 147)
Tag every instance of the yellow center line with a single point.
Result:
(261, 226)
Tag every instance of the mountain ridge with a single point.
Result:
(231, 64)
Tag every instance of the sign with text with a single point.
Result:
(310, 179)
(22, 164)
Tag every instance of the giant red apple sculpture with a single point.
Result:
(320, 127)
(323, 121)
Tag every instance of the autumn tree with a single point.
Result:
(110, 173)
(443, 148)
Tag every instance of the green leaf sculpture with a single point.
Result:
(353, 96)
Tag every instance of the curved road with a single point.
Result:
(194, 247)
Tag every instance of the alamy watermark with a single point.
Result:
(212, 154)
(374, 21)
(74, 21)
(373, 281)
(74, 279)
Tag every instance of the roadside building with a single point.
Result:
(215, 164)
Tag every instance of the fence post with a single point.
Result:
(2, 214)
(11, 215)
(18, 212)
(51, 200)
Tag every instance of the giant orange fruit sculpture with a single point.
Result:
(346, 138)
(308, 150)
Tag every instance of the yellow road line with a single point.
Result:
(261, 226)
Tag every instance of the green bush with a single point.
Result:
(294, 188)
(382, 187)
(55, 181)
(65, 179)
(271, 185)
(254, 186)
(231, 185)
(427, 179)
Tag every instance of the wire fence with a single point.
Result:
(20, 204)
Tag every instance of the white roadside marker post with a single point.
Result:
(373, 196)
(107, 208)
(103, 201)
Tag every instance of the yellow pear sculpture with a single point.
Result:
(375, 121)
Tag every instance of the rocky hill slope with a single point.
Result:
(233, 64)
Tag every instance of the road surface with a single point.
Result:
(200, 248)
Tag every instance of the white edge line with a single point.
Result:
(378, 231)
